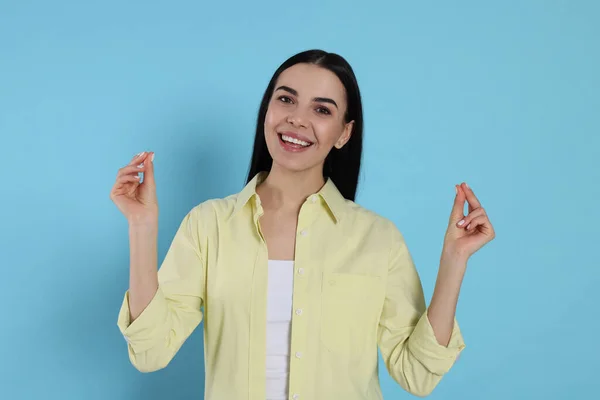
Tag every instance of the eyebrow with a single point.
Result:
(317, 99)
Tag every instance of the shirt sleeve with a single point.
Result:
(174, 312)
(410, 350)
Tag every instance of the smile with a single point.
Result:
(292, 144)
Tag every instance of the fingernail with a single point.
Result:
(141, 154)
(466, 185)
(152, 158)
(461, 222)
(469, 226)
(456, 189)
(141, 165)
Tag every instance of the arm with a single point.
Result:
(442, 309)
(420, 347)
(143, 276)
(411, 352)
(161, 309)
(464, 236)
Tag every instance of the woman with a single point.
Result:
(298, 285)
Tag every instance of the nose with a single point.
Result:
(297, 119)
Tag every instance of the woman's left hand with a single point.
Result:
(467, 234)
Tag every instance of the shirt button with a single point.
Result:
(313, 198)
(299, 311)
(300, 271)
(296, 396)
(298, 354)
(304, 232)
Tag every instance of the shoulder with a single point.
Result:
(214, 210)
(214, 207)
(384, 228)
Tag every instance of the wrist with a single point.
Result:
(146, 225)
(143, 221)
(452, 268)
(453, 257)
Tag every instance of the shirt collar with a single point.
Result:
(333, 199)
(248, 192)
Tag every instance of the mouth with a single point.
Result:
(292, 144)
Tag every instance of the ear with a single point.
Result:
(345, 135)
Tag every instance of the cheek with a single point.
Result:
(328, 133)
(272, 117)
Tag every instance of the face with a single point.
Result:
(305, 118)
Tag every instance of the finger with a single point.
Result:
(121, 190)
(459, 205)
(126, 185)
(131, 169)
(127, 179)
(475, 222)
(139, 158)
(463, 223)
(471, 198)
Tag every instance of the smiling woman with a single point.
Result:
(299, 285)
(318, 118)
(312, 97)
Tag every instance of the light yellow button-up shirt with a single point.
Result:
(354, 279)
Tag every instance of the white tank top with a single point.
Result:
(279, 320)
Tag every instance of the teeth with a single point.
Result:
(293, 140)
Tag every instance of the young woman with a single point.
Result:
(298, 285)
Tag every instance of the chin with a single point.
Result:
(291, 165)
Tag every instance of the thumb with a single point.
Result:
(458, 209)
(149, 172)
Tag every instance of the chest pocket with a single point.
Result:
(350, 307)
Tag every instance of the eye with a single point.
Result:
(323, 110)
(285, 99)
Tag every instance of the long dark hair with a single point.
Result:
(341, 165)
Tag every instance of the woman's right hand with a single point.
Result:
(137, 201)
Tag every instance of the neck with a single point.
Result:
(286, 190)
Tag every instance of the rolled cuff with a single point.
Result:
(142, 334)
(436, 358)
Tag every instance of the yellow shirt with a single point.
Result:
(354, 279)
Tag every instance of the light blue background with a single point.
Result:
(504, 96)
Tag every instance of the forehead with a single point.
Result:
(312, 81)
